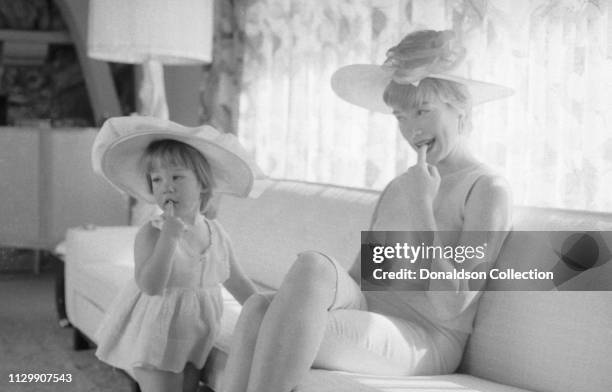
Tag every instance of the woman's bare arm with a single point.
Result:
(487, 221)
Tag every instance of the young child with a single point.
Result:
(163, 324)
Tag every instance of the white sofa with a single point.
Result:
(545, 341)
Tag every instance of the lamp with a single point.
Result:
(151, 33)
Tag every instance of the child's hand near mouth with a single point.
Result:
(173, 225)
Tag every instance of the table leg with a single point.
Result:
(37, 258)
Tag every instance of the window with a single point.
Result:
(551, 140)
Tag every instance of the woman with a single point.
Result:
(319, 317)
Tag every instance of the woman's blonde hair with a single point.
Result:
(169, 152)
(408, 96)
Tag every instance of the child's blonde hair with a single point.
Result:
(169, 152)
(407, 96)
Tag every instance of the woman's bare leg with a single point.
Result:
(238, 367)
(293, 326)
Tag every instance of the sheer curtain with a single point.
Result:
(552, 140)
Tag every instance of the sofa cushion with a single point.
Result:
(321, 381)
(545, 341)
(549, 341)
(105, 244)
(554, 219)
(101, 281)
(531, 340)
(90, 289)
(291, 217)
(331, 381)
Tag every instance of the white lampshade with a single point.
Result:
(152, 33)
(170, 32)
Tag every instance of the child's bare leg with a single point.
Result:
(152, 380)
(238, 367)
(294, 325)
(191, 378)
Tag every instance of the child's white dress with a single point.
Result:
(167, 331)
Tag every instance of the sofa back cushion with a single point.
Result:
(292, 217)
(544, 341)
(548, 341)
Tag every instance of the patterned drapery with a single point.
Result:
(552, 139)
(220, 85)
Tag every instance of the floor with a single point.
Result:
(31, 340)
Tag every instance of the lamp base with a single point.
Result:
(152, 92)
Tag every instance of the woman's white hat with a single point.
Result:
(119, 146)
(421, 54)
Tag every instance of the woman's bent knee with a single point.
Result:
(311, 279)
(314, 268)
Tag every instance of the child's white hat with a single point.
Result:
(421, 54)
(119, 146)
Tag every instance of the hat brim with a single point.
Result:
(118, 150)
(364, 85)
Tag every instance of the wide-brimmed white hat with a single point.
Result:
(421, 54)
(119, 146)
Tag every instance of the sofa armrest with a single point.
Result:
(106, 244)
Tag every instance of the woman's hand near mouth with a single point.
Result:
(420, 183)
(424, 178)
(410, 196)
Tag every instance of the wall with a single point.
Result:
(48, 186)
(19, 192)
(72, 193)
